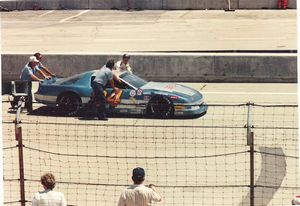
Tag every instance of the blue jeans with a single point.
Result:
(100, 100)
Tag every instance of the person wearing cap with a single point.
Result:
(29, 74)
(138, 194)
(102, 77)
(123, 65)
(41, 66)
(48, 196)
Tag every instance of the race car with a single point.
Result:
(153, 99)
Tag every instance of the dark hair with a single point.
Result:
(126, 56)
(37, 54)
(48, 181)
(138, 180)
(110, 63)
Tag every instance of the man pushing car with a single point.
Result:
(102, 77)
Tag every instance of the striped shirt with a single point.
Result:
(138, 195)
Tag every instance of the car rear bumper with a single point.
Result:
(45, 99)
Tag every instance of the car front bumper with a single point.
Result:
(198, 108)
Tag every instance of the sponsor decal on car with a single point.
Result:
(139, 92)
(133, 100)
(132, 93)
(170, 87)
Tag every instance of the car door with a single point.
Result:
(130, 98)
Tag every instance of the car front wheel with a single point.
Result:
(160, 107)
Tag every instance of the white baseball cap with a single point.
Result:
(33, 59)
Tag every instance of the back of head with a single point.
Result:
(138, 175)
(48, 181)
(37, 55)
(110, 63)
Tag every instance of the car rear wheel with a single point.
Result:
(69, 104)
(160, 107)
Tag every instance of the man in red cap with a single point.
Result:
(138, 194)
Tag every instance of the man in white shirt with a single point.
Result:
(123, 65)
(48, 197)
(138, 194)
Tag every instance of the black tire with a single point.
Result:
(160, 107)
(14, 102)
(69, 104)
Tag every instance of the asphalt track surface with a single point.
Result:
(92, 31)
(200, 161)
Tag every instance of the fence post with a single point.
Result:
(250, 142)
(18, 133)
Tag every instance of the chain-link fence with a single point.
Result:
(206, 161)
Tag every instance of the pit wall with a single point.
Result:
(142, 4)
(197, 67)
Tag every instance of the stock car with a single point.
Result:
(153, 99)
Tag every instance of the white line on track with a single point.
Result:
(71, 17)
(48, 12)
(253, 93)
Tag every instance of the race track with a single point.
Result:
(201, 161)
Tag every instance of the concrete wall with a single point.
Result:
(142, 4)
(173, 67)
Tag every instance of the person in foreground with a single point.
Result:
(48, 197)
(138, 194)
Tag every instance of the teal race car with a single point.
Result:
(153, 99)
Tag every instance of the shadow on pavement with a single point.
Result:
(89, 114)
(272, 173)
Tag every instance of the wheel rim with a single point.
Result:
(161, 107)
(69, 104)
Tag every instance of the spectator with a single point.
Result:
(29, 74)
(41, 66)
(48, 197)
(128, 5)
(282, 4)
(138, 194)
(123, 65)
(102, 77)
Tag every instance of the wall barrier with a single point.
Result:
(142, 4)
(281, 68)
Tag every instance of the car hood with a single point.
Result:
(171, 88)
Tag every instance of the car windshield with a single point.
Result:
(133, 80)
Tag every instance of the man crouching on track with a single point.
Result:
(102, 77)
